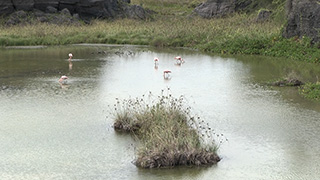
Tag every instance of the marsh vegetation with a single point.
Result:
(168, 133)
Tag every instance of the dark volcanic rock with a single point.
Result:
(25, 5)
(6, 7)
(84, 9)
(43, 4)
(263, 15)
(220, 8)
(135, 12)
(51, 9)
(215, 8)
(69, 4)
(303, 19)
(17, 17)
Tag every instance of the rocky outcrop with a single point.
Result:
(27, 17)
(85, 9)
(6, 7)
(220, 8)
(25, 5)
(215, 8)
(303, 19)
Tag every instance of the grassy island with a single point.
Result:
(167, 132)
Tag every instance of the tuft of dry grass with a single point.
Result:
(169, 134)
(171, 31)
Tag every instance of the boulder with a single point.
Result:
(215, 8)
(84, 9)
(263, 15)
(303, 19)
(51, 9)
(43, 4)
(16, 17)
(91, 9)
(25, 5)
(66, 12)
(6, 7)
(220, 8)
(135, 12)
(244, 4)
(69, 4)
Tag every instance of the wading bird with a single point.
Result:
(70, 56)
(156, 62)
(166, 74)
(179, 60)
(63, 79)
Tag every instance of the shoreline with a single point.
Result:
(25, 47)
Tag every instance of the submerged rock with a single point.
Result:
(288, 82)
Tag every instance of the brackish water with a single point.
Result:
(53, 131)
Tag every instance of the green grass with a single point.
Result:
(311, 91)
(171, 27)
(169, 134)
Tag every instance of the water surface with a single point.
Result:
(53, 131)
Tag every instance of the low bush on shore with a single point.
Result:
(168, 134)
(311, 91)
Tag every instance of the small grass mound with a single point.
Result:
(169, 135)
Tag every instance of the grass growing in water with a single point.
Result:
(169, 134)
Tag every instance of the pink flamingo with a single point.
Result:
(63, 79)
(166, 74)
(70, 56)
(156, 61)
(179, 60)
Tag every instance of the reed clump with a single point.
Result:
(168, 134)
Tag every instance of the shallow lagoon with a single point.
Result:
(53, 131)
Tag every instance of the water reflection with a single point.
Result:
(48, 132)
(70, 66)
